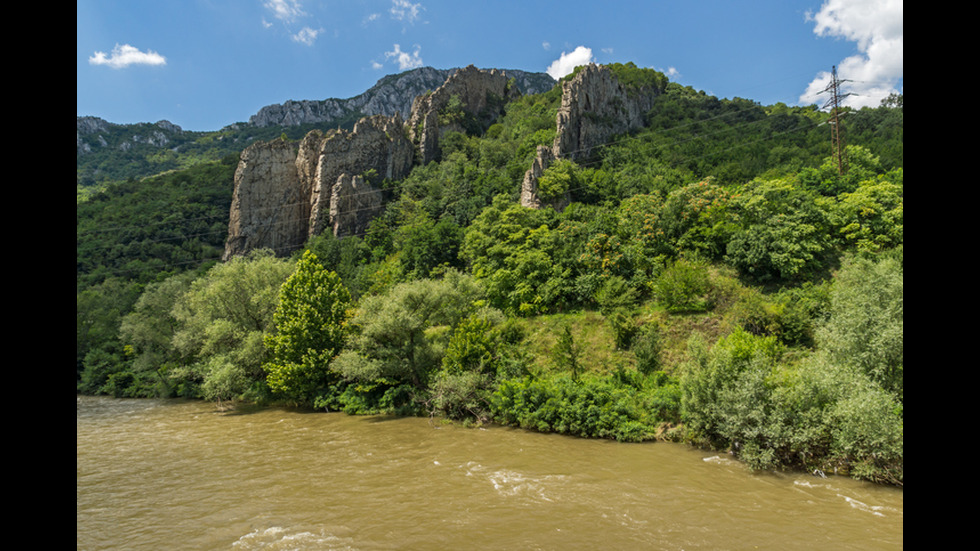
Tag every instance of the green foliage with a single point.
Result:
(633, 77)
(814, 415)
(474, 346)
(684, 286)
(624, 328)
(642, 234)
(696, 219)
(865, 328)
(723, 389)
(783, 232)
(647, 345)
(311, 323)
(510, 249)
(593, 406)
(558, 179)
(401, 336)
(871, 218)
(616, 294)
(567, 355)
(350, 258)
(222, 320)
(145, 231)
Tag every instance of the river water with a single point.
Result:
(171, 475)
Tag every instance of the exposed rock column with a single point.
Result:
(376, 144)
(353, 204)
(267, 209)
(481, 94)
(595, 107)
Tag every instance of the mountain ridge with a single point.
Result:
(391, 95)
(107, 151)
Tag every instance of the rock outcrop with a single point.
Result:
(353, 204)
(595, 107)
(391, 95)
(94, 132)
(378, 147)
(286, 193)
(468, 101)
(529, 187)
(267, 207)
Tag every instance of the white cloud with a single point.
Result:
(546, 45)
(405, 60)
(307, 36)
(569, 61)
(286, 10)
(403, 10)
(876, 26)
(126, 55)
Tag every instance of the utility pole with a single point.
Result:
(836, 133)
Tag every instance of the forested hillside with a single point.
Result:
(717, 279)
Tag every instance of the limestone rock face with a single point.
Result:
(353, 204)
(470, 97)
(376, 144)
(285, 194)
(595, 106)
(529, 187)
(391, 95)
(266, 208)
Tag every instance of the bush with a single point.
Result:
(684, 287)
(593, 407)
(625, 329)
(647, 348)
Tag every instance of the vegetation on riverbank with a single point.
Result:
(717, 280)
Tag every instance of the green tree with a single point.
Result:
(872, 217)
(684, 286)
(783, 232)
(311, 324)
(561, 177)
(567, 355)
(511, 250)
(222, 321)
(401, 336)
(461, 389)
(865, 328)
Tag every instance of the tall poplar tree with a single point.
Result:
(311, 326)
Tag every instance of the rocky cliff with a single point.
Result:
(468, 101)
(595, 107)
(267, 208)
(376, 146)
(393, 94)
(93, 132)
(286, 193)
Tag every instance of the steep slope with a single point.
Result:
(285, 194)
(392, 95)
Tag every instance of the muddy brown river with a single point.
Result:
(173, 475)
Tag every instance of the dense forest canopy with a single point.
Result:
(716, 279)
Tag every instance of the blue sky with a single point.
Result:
(204, 64)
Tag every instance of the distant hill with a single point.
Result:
(108, 152)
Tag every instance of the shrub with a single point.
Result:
(684, 287)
